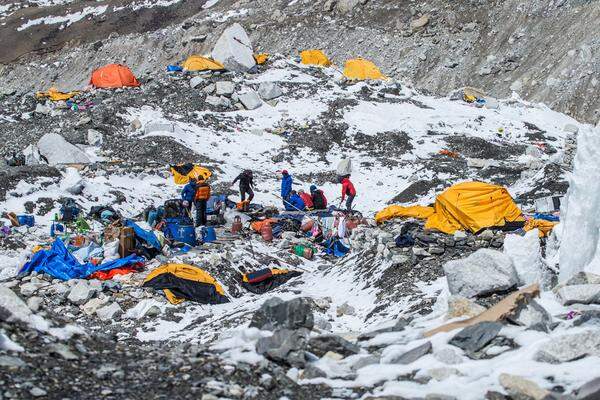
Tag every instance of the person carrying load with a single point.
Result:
(201, 198)
(246, 185)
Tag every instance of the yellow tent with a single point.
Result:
(390, 212)
(544, 227)
(55, 95)
(473, 206)
(183, 172)
(361, 69)
(314, 57)
(186, 282)
(261, 58)
(199, 63)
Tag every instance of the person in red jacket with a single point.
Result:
(306, 198)
(348, 191)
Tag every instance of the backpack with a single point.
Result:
(203, 192)
(69, 211)
(319, 200)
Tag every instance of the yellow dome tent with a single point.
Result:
(361, 69)
(473, 206)
(183, 172)
(185, 282)
(314, 57)
(199, 63)
(395, 211)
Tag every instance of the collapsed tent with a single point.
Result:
(60, 264)
(262, 281)
(185, 282)
(199, 63)
(55, 95)
(361, 69)
(314, 57)
(183, 172)
(473, 206)
(544, 227)
(261, 58)
(113, 76)
(395, 211)
(147, 237)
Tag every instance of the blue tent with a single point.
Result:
(61, 264)
(145, 236)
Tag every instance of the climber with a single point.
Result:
(294, 202)
(201, 198)
(347, 190)
(306, 198)
(319, 200)
(246, 185)
(189, 193)
(286, 187)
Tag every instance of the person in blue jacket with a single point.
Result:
(188, 194)
(295, 202)
(286, 186)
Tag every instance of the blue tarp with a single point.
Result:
(146, 236)
(547, 217)
(335, 247)
(61, 264)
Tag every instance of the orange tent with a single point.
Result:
(113, 76)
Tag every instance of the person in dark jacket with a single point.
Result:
(318, 198)
(286, 186)
(347, 190)
(246, 185)
(294, 203)
(188, 194)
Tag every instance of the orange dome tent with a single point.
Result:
(113, 76)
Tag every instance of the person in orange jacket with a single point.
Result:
(348, 192)
(200, 200)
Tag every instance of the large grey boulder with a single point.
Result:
(319, 345)
(269, 91)
(475, 337)
(234, 49)
(109, 312)
(225, 88)
(13, 305)
(58, 151)
(276, 314)
(521, 388)
(532, 316)
(412, 355)
(569, 347)
(345, 6)
(250, 100)
(286, 346)
(589, 390)
(94, 137)
(81, 293)
(579, 294)
(484, 272)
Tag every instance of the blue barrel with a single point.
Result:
(28, 220)
(208, 234)
(184, 233)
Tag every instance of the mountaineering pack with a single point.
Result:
(203, 191)
(69, 211)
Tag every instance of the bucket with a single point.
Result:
(28, 220)
(208, 234)
(266, 232)
(303, 251)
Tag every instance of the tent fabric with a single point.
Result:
(361, 69)
(55, 95)
(113, 76)
(146, 236)
(106, 275)
(183, 172)
(199, 63)
(543, 226)
(60, 264)
(473, 206)
(261, 58)
(182, 282)
(314, 57)
(274, 278)
(396, 211)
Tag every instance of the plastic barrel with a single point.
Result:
(209, 234)
(184, 233)
(28, 220)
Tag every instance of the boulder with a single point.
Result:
(285, 346)
(521, 388)
(276, 313)
(532, 316)
(58, 151)
(583, 278)
(420, 22)
(569, 347)
(224, 88)
(218, 101)
(579, 294)
(81, 293)
(412, 355)
(93, 305)
(459, 306)
(77, 188)
(109, 312)
(94, 137)
(250, 100)
(345, 309)
(196, 81)
(363, 361)
(525, 253)
(589, 318)
(475, 337)
(234, 49)
(32, 155)
(29, 288)
(311, 371)
(589, 391)
(484, 272)
(13, 305)
(448, 356)
(269, 91)
(345, 6)
(319, 345)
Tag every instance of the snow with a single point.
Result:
(210, 3)
(580, 212)
(65, 19)
(524, 251)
